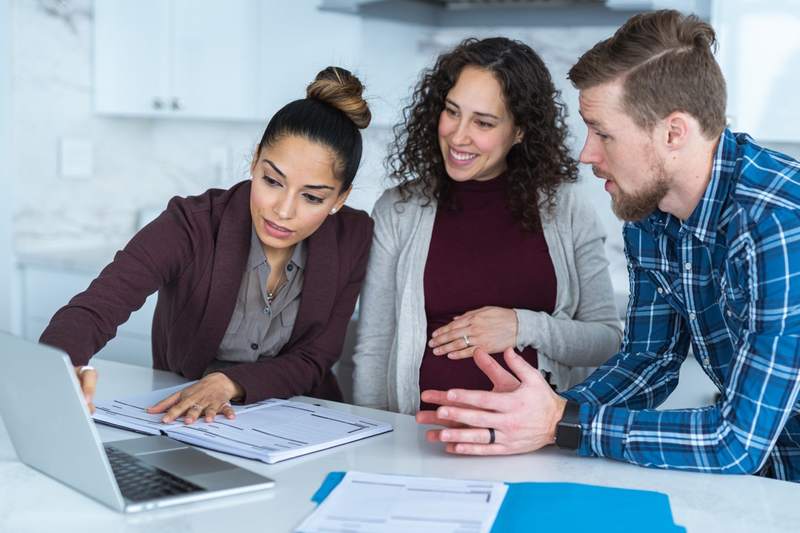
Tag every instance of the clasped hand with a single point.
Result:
(492, 328)
(522, 410)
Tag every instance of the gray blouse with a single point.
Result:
(260, 328)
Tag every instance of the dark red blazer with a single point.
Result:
(194, 254)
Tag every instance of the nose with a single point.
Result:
(284, 207)
(461, 135)
(590, 154)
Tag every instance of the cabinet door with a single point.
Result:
(298, 40)
(215, 59)
(759, 52)
(131, 59)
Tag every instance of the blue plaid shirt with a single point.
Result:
(727, 283)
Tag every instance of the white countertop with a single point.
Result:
(30, 501)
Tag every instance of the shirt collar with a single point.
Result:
(256, 258)
(704, 221)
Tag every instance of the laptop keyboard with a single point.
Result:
(139, 481)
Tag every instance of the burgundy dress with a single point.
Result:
(480, 256)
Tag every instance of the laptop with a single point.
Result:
(52, 431)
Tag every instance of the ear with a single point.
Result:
(341, 200)
(678, 128)
(518, 136)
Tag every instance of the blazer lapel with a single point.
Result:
(230, 256)
(320, 283)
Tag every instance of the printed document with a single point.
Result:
(382, 503)
(269, 431)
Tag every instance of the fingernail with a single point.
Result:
(443, 413)
(437, 351)
(451, 395)
(444, 435)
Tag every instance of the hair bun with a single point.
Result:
(339, 88)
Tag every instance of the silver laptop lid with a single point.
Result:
(49, 423)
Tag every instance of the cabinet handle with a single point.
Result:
(176, 104)
(157, 103)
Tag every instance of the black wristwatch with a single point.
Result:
(568, 430)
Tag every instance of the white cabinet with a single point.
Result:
(178, 58)
(297, 41)
(45, 289)
(759, 52)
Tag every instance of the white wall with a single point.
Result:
(7, 273)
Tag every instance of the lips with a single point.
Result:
(460, 158)
(275, 230)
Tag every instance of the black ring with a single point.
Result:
(491, 435)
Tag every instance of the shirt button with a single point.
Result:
(266, 310)
(692, 316)
(254, 346)
(728, 312)
(660, 290)
(706, 361)
(687, 266)
(289, 267)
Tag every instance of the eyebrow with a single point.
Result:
(480, 114)
(588, 121)
(279, 171)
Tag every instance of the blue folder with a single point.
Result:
(568, 507)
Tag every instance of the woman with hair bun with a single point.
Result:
(483, 244)
(256, 283)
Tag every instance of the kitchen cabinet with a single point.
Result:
(178, 58)
(759, 52)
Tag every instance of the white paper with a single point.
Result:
(382, 503)
(270, 430)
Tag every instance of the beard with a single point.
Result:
(635, 206)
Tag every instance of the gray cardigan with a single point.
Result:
(582, 333)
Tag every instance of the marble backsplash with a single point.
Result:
(140, 163)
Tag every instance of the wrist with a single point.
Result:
(233, 390)
(558, 414)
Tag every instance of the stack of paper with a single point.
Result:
(370, 503)
(378, 503)
(269, 431)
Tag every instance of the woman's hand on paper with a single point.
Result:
(205, 399)
(87, 377)
(492, 328)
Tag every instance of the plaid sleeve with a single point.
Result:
(645, 370)
(761, 387)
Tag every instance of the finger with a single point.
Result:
(210, 414)
(502, 379)
(519, 366)
(181, 408)
(483, 400)
(438, 397)
(477, 449)
(466, 353)
(471, 417)
(468, 435)
(430, 418)
(88, 380)
(459, 343)
(165, 404)
(470, 314)
(228, 411)
(193, 413)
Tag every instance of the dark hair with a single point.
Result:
(536, 166)
(665, 61)
(331, 114)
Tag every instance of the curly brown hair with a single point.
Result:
(536, 166)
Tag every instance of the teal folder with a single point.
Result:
(568, 507)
